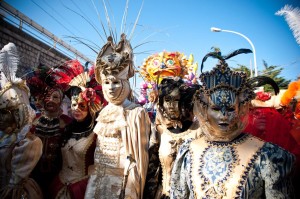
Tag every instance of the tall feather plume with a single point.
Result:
(9, 60)
(292, 17)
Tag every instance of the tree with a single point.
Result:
(274, 72)
(243, 68)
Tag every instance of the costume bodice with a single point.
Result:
(218, 168)
(169, 145)
(50, 130)
(76, 155)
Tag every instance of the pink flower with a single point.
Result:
(263, 96)
(89, 95)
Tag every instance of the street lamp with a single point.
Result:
(214, 29)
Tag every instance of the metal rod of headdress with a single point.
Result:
(115, 33)
(136, 21)
(108, 20)
(99, 19)
(124, 18)
(85, 20)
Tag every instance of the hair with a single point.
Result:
(168, 85)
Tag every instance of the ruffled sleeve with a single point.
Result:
(180, 179)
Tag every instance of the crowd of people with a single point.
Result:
(211, 136)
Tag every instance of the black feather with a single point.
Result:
(211, 54)
(237, 52)
(263, 80)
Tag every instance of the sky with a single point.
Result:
(183, 26)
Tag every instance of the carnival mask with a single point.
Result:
(52, 100)
(115, 90)
(162, 65)
(171, 105)
(79, 108)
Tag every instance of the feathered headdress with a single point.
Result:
(9, 60)
(14, 93)
(71, 76)
(36, 80)
(292, 17)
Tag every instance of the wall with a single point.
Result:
(32, 51)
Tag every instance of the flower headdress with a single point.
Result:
(14, 94)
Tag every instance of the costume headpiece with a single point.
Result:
(225, 87)
(71, 77)
(165, 64)
(115, 59)
(14, 94)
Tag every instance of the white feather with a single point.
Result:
(292, 17)
(9, 61)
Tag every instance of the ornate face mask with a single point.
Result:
(79, 108)
(52, 100)
(171, 104)
(163, 65)
(224, 98)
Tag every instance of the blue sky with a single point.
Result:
(179, 26)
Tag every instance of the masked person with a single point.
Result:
(20, 150)
(121, 156)
(229, 163)
(174, 124)
(79, 140)
(48, 126)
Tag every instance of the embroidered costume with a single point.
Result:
(246, 167)
(19, 149)
(225, 162)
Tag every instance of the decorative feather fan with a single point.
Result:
(9, 60)
(292, 17)
(63, 75)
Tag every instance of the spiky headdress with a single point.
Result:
(223, 86)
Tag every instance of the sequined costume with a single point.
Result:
(174, 124)
(246, 167)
